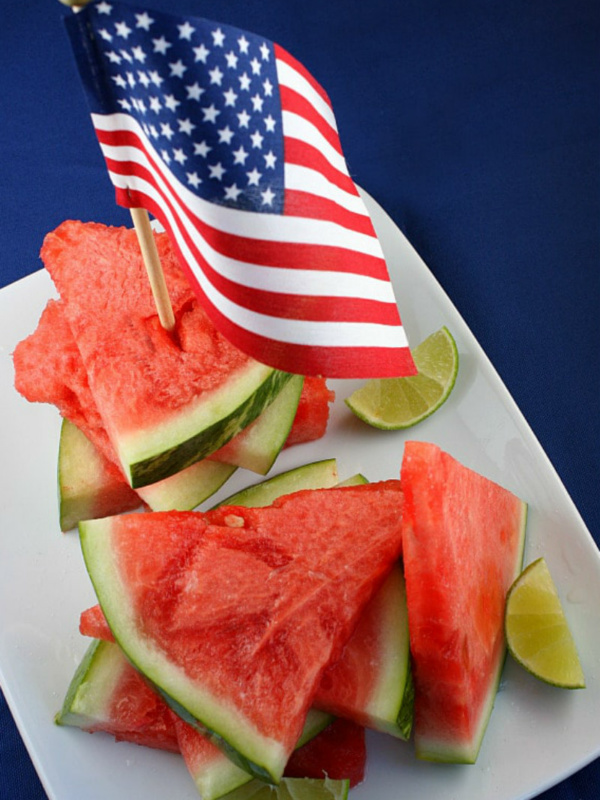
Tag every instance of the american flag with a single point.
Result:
(232, 145)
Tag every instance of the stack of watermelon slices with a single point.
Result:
(170, 416)
(251, 605)
(107, 694)
(241, 622)
(455, 616)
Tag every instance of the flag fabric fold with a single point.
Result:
(233, 146)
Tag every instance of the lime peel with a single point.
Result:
(396, 403)
(537, 631)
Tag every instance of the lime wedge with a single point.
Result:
(537, 631)
(292, 789)
(394, 403)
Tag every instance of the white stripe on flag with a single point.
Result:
(304, 179)
(297, 127)
(288, 76)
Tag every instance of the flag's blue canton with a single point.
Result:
(206, 96)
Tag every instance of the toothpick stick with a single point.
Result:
(141, 222)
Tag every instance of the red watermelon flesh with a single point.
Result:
(92, 623)
(251, 604)
(49, 369)
(111, 311)
(140, 716)
(338, 752)
(463, 547)
(312, 415)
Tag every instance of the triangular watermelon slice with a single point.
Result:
(463, 547)
(234, 614)
(187, 395)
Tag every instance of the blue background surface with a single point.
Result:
(474, 124)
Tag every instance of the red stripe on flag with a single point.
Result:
(295, 103)
(282, 55)
(304, 204)
(304, 155)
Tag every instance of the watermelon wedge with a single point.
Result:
(463, 547)
(88, 484)
(249, 448)
(48, 369)
(339, 752)
(371, 683)
(107, 694)
(312, 414)
(187, 395)
(235, 613)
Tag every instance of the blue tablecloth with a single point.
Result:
(475, 124)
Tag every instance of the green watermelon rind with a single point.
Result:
(187, 489)
(256, 448)
(406, 713)
(392, 704)
(261, 756)
(153, 453)
(81, 481)
(316, 721)
(439, 750)
(315, 475)
(80, 708)
(357, 479)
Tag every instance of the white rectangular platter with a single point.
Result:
(537, 735)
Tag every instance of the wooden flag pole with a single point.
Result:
(156, 276)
